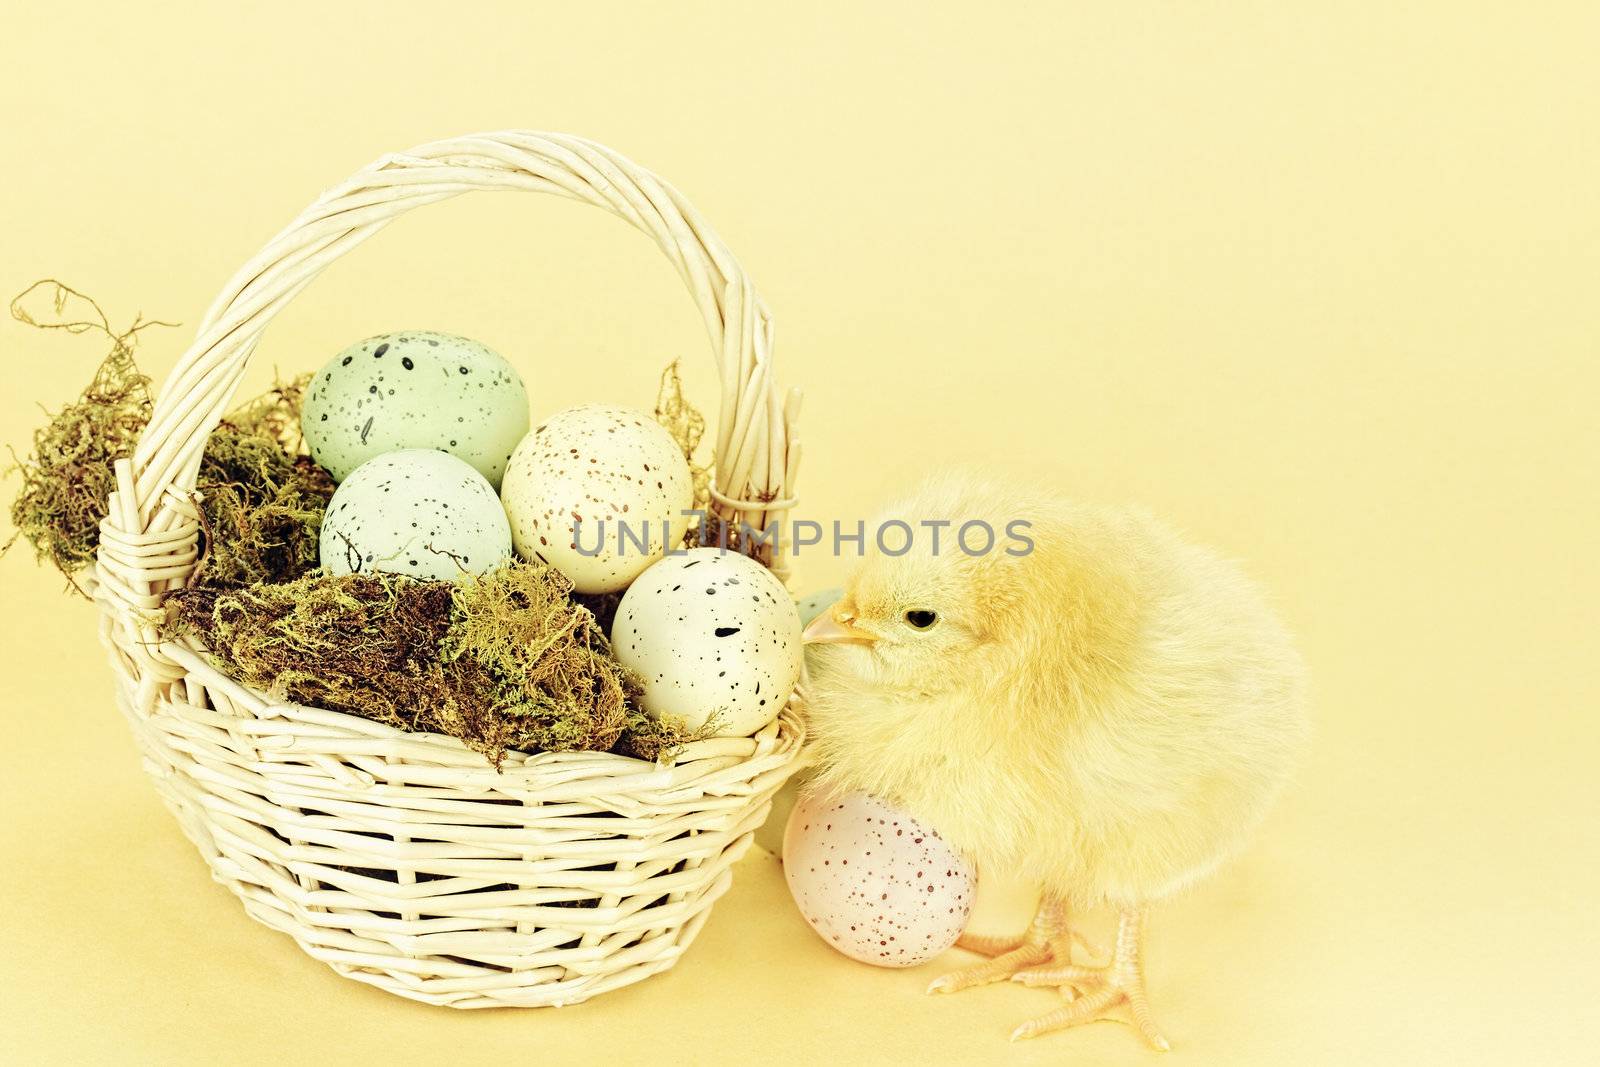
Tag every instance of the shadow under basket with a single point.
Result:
(404, 859)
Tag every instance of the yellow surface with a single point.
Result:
(1317, 286)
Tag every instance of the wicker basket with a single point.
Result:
(403, 859)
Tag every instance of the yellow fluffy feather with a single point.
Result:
(1110, 714)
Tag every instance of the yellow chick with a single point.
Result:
(1093, 703)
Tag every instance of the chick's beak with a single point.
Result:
(834, 627)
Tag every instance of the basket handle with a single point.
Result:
(148, 540)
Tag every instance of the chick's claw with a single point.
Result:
(997, 969)
(1121, 981)
(1093, 1006)
(985, 945)
(1059, 976)
(992, 946)
(1049, 940)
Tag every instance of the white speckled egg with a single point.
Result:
(419, 512)
(710, 633)
(599, 493)
(876, 884)
(415, 389)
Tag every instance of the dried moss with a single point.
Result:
(275, 415)
(503, 661)
(656, 739)
(688, 427)
(67, 478)
(558, 689)
(603, 606)
(366, 644)
(262, 502)
(511, 660)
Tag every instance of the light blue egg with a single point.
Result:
(812, 606)
(415, 389)
(419, 512)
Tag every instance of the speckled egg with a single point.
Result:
(415, 389)
(876, 884)
(815, 604)
(712, 635)
(599, 493)
(419, 512)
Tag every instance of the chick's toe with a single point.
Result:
(997, 969)
(1119, 982)
(985, 945)
(1048, 940)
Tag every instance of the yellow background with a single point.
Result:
(1315, 281)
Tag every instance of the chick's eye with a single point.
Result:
(921, 619)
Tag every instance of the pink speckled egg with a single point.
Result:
(876, 884)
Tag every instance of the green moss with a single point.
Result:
(656, 739)
(275, 415)
(67, 478)
(557, 688)
(366, 644)
(261, 504)
(261, 501)
(503, 661)
(511, 660)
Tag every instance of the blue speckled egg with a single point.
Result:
(415, 389)
(815, 604)
(711, 634)
(419, 512)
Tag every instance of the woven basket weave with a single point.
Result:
(403, 859)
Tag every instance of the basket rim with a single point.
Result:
(783, 737)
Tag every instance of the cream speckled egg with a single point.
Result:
(599, 493)
(419, 512)
(710, 633)
(415, 389)
(875, 883)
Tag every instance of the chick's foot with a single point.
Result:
(1119, 982)
(1048, 940)
(985, 945)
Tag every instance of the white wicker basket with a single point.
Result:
(403, 859)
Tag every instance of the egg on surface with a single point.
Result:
(600, 493)
(419, 512)
(710, 633)
(415, 389)
(873, 882)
